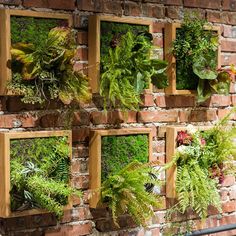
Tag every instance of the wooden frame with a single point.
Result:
(94, 43)
(170, 36)
(95, 156)
(171, 135)
(5, 35)
(5, 210)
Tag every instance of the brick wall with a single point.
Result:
(158, 111)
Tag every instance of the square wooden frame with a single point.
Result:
(95, 156)
(94, 31)
(5, 36)
(171, 145)
(170, 36)
(5, 210)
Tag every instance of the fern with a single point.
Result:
(125, 192)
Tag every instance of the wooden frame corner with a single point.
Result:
(95, 156)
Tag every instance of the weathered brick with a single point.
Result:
(158, 27)
(223, 112)
(112, 7)
(158, 146)
(81, 118)
(155, 11)
(228, 45)
(213, 16)
(218, 101)
(173, 12)
(11, 2)
(175, 101)
(82, 54)
(82, 37)
(54, 4)
(79, 150)
(80, 182)
(113, 117)
(132, 9)
(228, 181)
(79, 166)
(157, 41)
(147, 100)
(157, 116)
(229, 5)
(229, 206)
(232, 193)
(80, 134)
(197, 115)
(212, 4)
(228, 58)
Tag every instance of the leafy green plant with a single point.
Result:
(40, 174)
(45, 71)
(202, 159)
(125, 192)
(128, 69)
(119, 151)
(195, 50)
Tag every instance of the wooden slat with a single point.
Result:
(95, 156)
(5, 36)
(5, 138)
(94, 43)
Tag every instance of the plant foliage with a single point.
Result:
(119, 151)
(125, 192)
(202, 159)
(128, 69)
(196, 49)
(40, 174)
(45, 71)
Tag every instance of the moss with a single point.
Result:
(119, 151)
(32, 30)
(111, 30)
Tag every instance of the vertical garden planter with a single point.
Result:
(171, 145)
(7, 17)
(101, 165)
(97, 41)
(5, 164)
(170, 36)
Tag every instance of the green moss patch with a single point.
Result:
(31, 29)
(119, 151)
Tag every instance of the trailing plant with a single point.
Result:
(202, 159)
(119, 151)
(128, 69)
(40, 174)
(196, 51)
(45, 71)
(125, 192)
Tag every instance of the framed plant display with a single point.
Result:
(37, 53)
(120, 65)
(197, 160)
(35, 172)
(192, 50)
(112, 150)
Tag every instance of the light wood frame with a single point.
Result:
(170, 36)
(95, 155)
(5, 36)
(94, 31)
(5, 138)
(171, 145)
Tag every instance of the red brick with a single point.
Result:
(228, 59)
(82, 37)
(158, 146)
(81, 118)
(213, 16)
(228, 181)
(232, 193)
(211, 222)
(157, 41)
(229, 206)
(229, 31)
(80, 182)
(175, 101)
(71, 230)
(90, 5)
(80, 21)
(132, 9)
(233, 97)
(197, 115)
(54, 4)
(228, 18)
(157, 116)
(224, 194)
(173, 12)
(112, 7)
(158, 27)
(223, 112)
(147, 100)
(229, 5)
(82, 54)
(11, 2)
(218, 101)
(75, 200)
(82, 213)
(212, 4)
(79, 166)
(80, 134)
(113, 117)
(80, 150)
(166, 2)
(228, 45)
(155, 11)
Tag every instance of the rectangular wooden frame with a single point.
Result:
(5, 210)
(171, 135)
(94, 43)
(5, 35)
(170, 36)
(95, 156)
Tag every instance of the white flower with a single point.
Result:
(182, 150)
(191, 129)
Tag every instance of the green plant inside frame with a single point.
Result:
(40, 174)
(119, 151)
